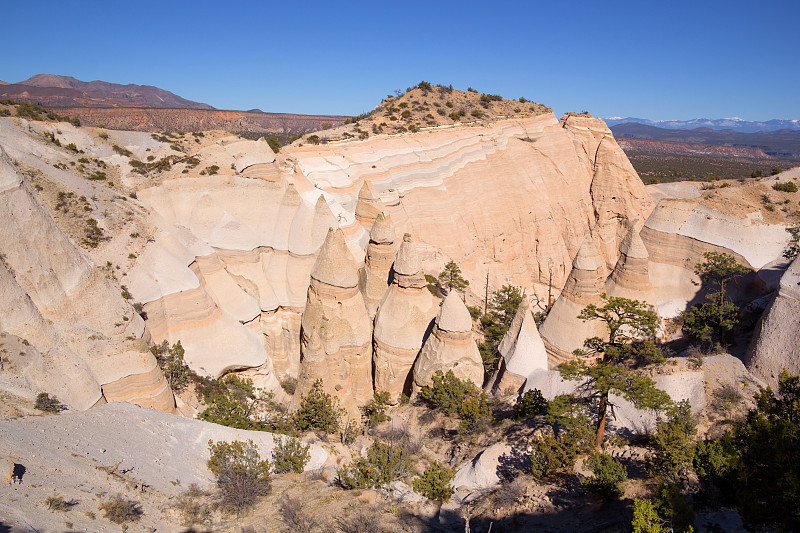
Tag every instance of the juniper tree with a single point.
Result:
(451, 279)
(630, 325)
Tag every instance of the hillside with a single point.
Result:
(734, 123)
(65, 91)
(427, 106)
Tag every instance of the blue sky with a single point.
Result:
(657, 60)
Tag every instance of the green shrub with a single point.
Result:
(176, 371)
(673, 509)
(456, 397)
(242, 476)
(275, 144)
(48, 404)
(673, 443)
(374, 412)
(121, 151)
(645, 518)
(434, 483)
(318, 410)
(609, 475)
(231, 402)
(788, 186)
(529, 404)
(120, 510)
(383, 464)
(552, 454)
(314, 139)
(58, 503)
(290, 455)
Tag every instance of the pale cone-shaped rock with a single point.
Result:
(562, 331)
(403, 319)
(381, 252)
(631, 276)
(54, 292)
(369, 205)
(450, 346)
(522, 352)
(776, 341)
(336, 307)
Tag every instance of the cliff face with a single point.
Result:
(171, 120)
(514, 197)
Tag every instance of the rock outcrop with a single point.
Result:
(631, 275)
(368, 206)
(776, 341)
(335, 311)
(522, 352)
(562, 330)
(450, 346)
(381, 252)
(402, 323)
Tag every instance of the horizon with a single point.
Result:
(629, 61)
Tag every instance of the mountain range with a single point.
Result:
(734, 123)
(65, 91)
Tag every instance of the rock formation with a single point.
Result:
(381, 252)
(434, 185)
(776, 341)
(631, 275)
(402, 322)
(450, 346)
(522, 352)
(368, 206)
(562, 330)
(335, 311)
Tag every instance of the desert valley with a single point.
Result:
(455, 312)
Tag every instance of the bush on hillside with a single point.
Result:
(318, 410)
(383, 464)
(242, 476)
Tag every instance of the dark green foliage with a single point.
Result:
(120, 510)
(97, 176)
(92, 233)
(318, 410)
(711, 321)
(234, 402)
(757, 466)
(476, 114)
(673, 443)
(314, 139)
(450, 278)
(615, 372)
(47, 403)
(552, 454)
(383, 464)
(242, 476)
(211, 170)
(274, 143)
(425, 86)
(673, 509)
(500, 313)
(456, 397)
(175, 370)
(374, 412)
(530, 404)
(788, 186)
(122, 151)
(646, 519)
(793, 247)
(434, 483)
(609, 475)
(290, 455)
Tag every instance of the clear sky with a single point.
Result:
(659, 60)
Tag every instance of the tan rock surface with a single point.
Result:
(562, 331)
(403, 321)
(522, 352)
(631, 275)
(380, 255)
(450, 346)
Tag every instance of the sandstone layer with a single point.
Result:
(450, 346)
(522, 352)
(631, 275)
(381, 251)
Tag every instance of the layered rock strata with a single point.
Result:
(450, 346)
(447, 185)
(402, 323)
(522, 352)
(776, 341)
(631, 275)
(54, 298)
(562, 331)
(335, 311)
(368, 206)
(381, 252)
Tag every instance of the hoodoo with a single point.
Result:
(631, 276)
(562, 330)
(401, 323)
(522, 352)
(450, 346)
(368, 206)
(381, 251)
(335, 306)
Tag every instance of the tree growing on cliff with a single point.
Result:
(451, 279)
(711, 321)
(500, 313)
(630, 324)
(170, 360)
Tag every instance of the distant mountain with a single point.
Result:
(65, 91)
(781, 144)
(735, 124)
